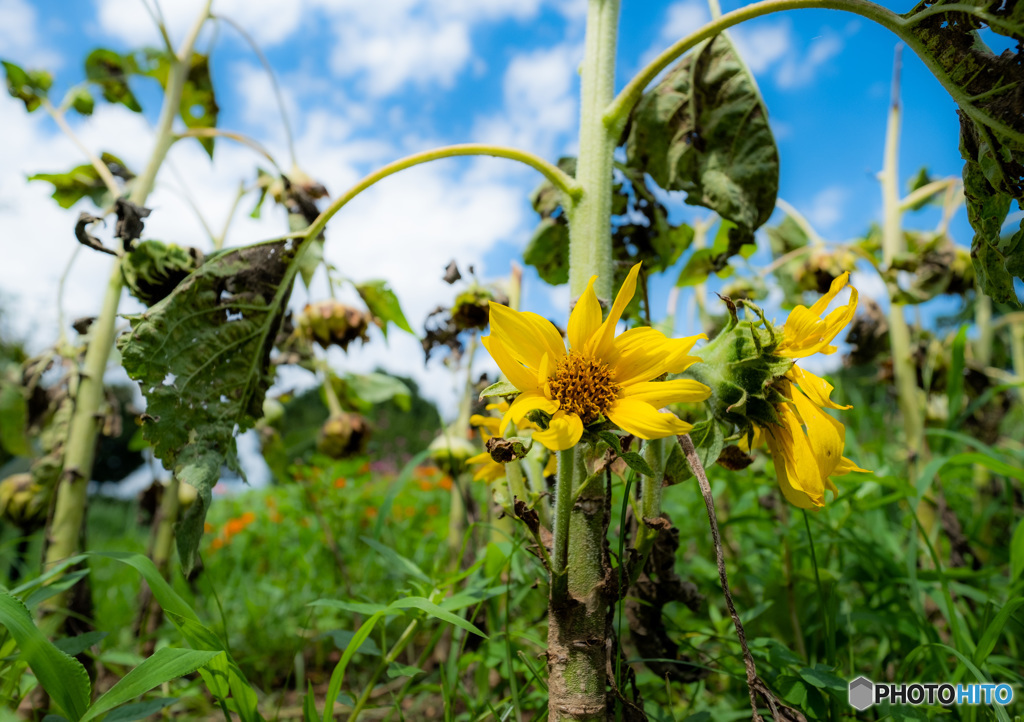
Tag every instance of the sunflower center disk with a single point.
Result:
(583, 386)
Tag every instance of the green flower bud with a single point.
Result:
(739, 367)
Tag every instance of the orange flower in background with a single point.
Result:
(445, 482)
(601, 375)
(433, 510)
(340, 483)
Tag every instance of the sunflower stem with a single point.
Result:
(650, 495)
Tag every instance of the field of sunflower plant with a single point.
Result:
(619, 522)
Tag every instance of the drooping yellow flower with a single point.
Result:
(807, 448)
(601, 374)
(485, 468)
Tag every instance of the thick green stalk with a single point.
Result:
(578, 611)
(650, 495)
(69, 510)
(590, 239)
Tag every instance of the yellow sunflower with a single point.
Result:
(807, 448)
(601, 375)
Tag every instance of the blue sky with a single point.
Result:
(368, 82)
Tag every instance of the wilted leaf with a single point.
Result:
(989, 89)
(153, 269)
(30, 87)
(383, 303)
(202, 358)
(110, 70)
(704, 130)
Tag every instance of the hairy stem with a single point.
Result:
(69, 509)
(590, 240)
(562, 180)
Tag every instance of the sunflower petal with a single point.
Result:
(642, 354)
(644, 421)
(517, 375)
(825, 435)
(524, 404)
(817, 389)
(663, 393)
(845, 466)
(796, 497)
(585, 318)
(527, 336)
(601, 342)
(563, 432)
(806, 332)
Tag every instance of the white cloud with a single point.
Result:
(541, 107)
(390, 56)
(827, 207)
(20, 41)
(762, 45)
(766, 45)
(269, 22)
(797, 72)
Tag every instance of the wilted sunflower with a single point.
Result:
(805, 460)
(485, 468)
(806, 442)
(601, 375)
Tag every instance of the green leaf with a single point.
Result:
(383, 303)
(63, 677)
(202, 359)
(501, 388)
(704, 130)
(29, 87)
(165, 664)
(73, 646)
(396, 559)
(165, 596)
(342, 638)
(13, 420)
(637, 463)
(991, 634)
(1017, 552)
(676, 467)
(309, 713)
(824, 677)
(198, 107)
(425, 605)
(80, 100)
(110, 71)
(82, 182)
(376, 388)
(338, 675)
(403, 670)
(139, 710)
(548, 251)
(708, 440)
